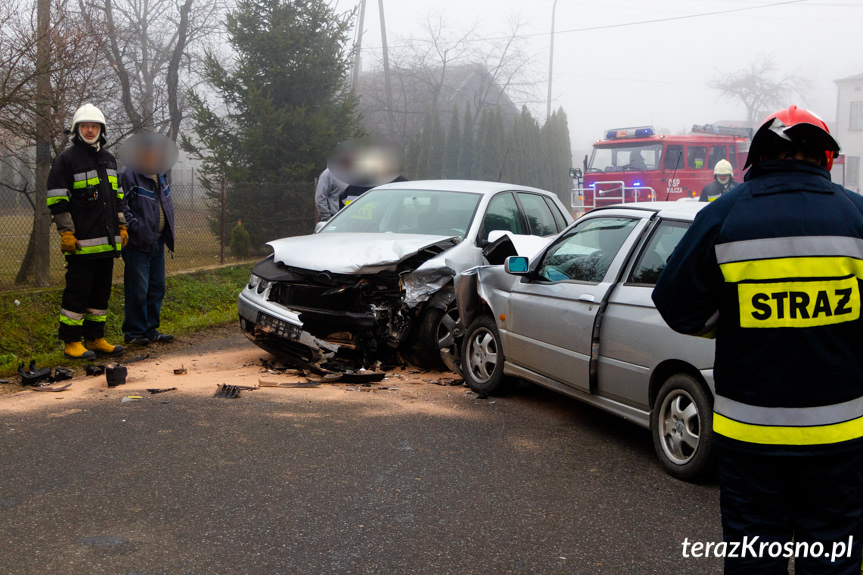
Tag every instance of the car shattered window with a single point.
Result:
(657, 251)
(586, 253)
(426, 212)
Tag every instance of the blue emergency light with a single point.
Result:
(636, 184)
(627, 133)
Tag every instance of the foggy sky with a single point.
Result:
(654, 73)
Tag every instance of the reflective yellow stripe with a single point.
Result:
(113, 181)
(95, 318)
(84, 183)
(57, 200)
(69, 321)
(805, 267)
(775, 435)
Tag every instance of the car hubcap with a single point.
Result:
(679, 426)
(482, 358)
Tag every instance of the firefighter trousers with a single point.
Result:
(803, 505)
(85, 299)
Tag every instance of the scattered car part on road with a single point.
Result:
(154, 391)
(115, 374)
(31, 375)
(94, 369)
(180, 370)
(228, 391)
(50, 388)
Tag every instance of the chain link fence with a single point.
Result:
(206, 223)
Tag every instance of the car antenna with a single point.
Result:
(674, 173)
(505, 156)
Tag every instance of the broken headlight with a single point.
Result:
(258, 283)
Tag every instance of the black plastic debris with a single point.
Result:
(228, 391)
(32, 376)
(62, 374)
(155, 391)
(115, 374)
(95, 369)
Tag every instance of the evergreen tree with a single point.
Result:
(558, 153)
(286, 105)
(466, 146)
(435, 146)
(453, 146)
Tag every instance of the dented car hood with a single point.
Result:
(353, 253)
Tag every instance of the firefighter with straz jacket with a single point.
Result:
(774, 269)
(87, 204)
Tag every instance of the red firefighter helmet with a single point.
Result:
(796, 125)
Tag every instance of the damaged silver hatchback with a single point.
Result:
(377, 279)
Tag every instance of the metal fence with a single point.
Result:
(204, 222)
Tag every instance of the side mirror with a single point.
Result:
(517, 265)
(319, 226)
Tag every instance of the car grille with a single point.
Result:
(315, 297)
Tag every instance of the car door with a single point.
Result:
(550, 315)
(634, 337)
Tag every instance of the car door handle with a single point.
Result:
(587, 297)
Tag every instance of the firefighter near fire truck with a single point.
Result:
(774, 270)
(87, 205)
(723, 181)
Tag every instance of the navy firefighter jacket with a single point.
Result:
(774, 270)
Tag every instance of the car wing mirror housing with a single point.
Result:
(517, 265)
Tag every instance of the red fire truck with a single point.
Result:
(637, 165)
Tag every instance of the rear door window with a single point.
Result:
(559, 218)
(502, 214)
(539, 216)
(661, 244)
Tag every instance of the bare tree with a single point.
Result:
(760, 88)
(147, 43)
(449, 66)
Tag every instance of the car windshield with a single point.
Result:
(635, 157)
(427, 212)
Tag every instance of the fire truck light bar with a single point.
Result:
(625, 133)
(722, 130)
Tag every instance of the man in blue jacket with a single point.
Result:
(774, 270)
(150, 219)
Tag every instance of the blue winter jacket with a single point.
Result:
(143, 198)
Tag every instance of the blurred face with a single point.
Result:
(149, 160)
(723, 178)
(89, 131)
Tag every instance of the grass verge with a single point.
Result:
(28, 329)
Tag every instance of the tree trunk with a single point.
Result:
(39, 239)
(173, 75)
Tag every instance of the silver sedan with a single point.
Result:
(578, 319)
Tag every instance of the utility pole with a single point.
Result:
(550, 62)
(358, 47)
(387, 83)
(41, 217)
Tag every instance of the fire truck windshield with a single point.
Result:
(622, 158)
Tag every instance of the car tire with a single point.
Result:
(482, 358)
(681, 424)
(434, 326)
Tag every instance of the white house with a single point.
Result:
(849, 128)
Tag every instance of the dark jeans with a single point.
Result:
(805, 498)
(144, 284)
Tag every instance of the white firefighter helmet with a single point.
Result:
(88, 113)
(723, 168)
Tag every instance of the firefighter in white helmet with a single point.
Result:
(87, 204)
(722, 182)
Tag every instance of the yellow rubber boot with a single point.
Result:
(102, 347)
(76, 350)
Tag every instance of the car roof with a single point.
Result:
(686, 210)
(472, 186)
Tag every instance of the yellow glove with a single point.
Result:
(124, 236)
(69, 243)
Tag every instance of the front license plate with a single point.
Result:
(277, 327)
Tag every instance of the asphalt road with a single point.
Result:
(421, 479)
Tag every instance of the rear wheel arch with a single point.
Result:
(665, 370)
